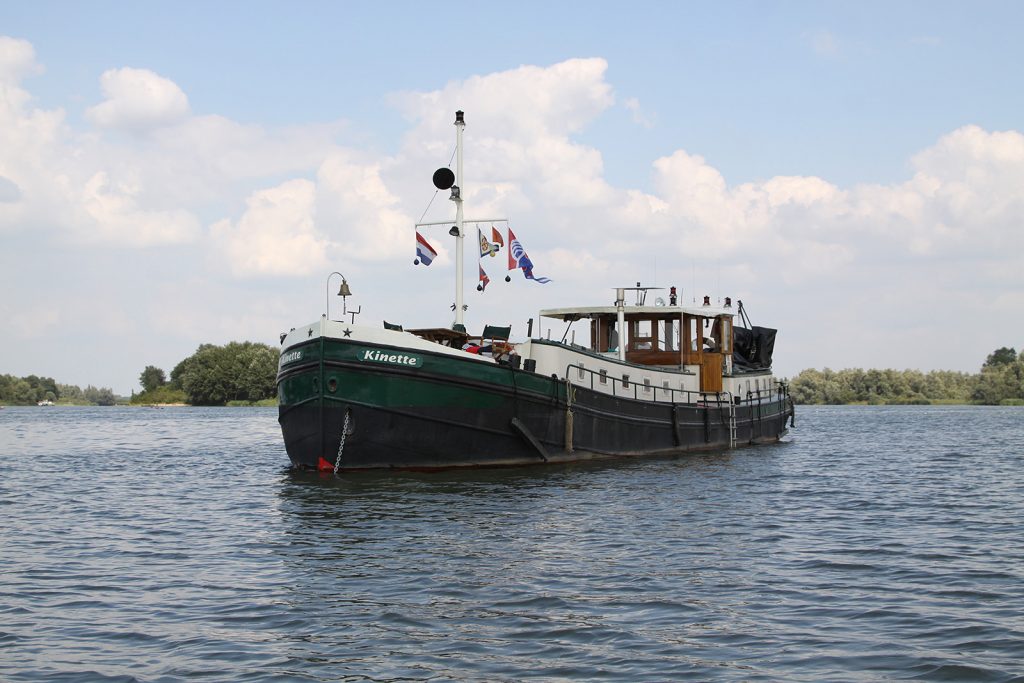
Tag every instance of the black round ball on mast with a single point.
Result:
(444, 178)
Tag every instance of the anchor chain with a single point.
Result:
(341, 446)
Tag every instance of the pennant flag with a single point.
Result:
(484, 280)
(486, 248)
(512, 265)
(424, 252)
(496, 237)
(517, 258)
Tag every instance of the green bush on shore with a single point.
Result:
(1000, 382)
(30, 390)
(265, 403)
(236, 374)
(161, 395)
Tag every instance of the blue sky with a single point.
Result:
(884, 113)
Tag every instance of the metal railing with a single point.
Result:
(620, 387)
(618, 390)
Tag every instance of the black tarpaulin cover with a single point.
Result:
(753, 348)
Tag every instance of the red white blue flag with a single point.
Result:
(517, 258)
(424, 252)
(484, 280)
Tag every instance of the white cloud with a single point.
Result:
(543, 101)
(355, 204)
(276, 235)
(138, 99)
(9, 191)
(114, 217)
(639, 116)
(520, 123)
(17, 60)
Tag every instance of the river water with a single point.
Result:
(874, 543)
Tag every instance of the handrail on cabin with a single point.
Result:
(718, 398)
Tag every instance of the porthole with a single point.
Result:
(332, 385)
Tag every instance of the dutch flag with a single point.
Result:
(424, 252)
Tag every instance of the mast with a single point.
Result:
(460, 124)
(444, 179)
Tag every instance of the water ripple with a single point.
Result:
(169, 545)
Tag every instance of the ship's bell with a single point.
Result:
(344, 291)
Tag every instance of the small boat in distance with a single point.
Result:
(654, 379)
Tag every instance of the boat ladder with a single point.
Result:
(732, 422)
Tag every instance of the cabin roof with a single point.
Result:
(581, 312)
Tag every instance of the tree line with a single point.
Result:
(999, 382)
(30, 390)
(245, 372)
(238, 372)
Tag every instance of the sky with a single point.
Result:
(180, 173)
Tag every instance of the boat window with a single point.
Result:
(665, 384)
(640, 335)
(664, 335)
(693, 333)
(581, 370)
(604, 377)
(647, 384)
(625, 381)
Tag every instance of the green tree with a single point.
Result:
(806, 387)
(1003, 356)
(1000, 382)
(101, 397)
(239, 371)
(24, 393)
(71, 392)
(152, 378)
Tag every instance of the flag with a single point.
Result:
(424, 252)
(496, 237)
(517, 258)
(511, 261)
(486, 248)
(484, 280)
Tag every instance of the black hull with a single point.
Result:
(496, 416)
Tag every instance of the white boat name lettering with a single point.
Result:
(393, 358)
(290, 357)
